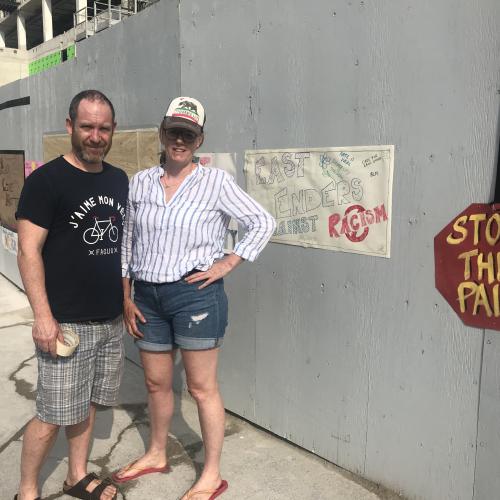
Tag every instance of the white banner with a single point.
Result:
(330, 198)
(224, 161)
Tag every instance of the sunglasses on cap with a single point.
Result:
(186, 135)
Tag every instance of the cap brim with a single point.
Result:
(177, 122)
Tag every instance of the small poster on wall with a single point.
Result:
(224, 161)
(330, 198)
(30, 166)
(9, 240)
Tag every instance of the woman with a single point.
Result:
(177, 217)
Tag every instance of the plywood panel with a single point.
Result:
(487, 483)
(55, 145)
(11, 183)
(147, 148)
(239, 343)
(132, 150)
(358, 360)
(124, 151)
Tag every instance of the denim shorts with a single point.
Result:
(179, 314)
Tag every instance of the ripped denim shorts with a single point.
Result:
(179, 314)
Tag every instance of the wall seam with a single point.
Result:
(477, 414)
(367, 419)
(257, 308)
(180, 44)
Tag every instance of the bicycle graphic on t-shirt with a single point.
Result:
(95, 233)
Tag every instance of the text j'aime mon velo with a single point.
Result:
(90, 203)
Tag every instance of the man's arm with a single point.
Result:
(31, 239)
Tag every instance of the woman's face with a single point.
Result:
(180, 144)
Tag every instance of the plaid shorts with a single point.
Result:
(67, 386)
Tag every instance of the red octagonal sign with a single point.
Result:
(467, 265)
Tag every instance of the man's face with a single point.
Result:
(92, 131)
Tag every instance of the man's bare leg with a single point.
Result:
(78, 436)
(38, 439)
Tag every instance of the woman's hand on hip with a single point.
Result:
(130, 315)
(219, 269)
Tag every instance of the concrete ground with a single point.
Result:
(257, 465)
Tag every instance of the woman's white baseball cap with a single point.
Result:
(187, 113)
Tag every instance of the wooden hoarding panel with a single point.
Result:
(132, 150)
(11, 183)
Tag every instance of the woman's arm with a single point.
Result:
(128, 229)
(130, 311)
(259, 225)
(219, 269)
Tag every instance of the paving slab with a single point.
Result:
(257, 465)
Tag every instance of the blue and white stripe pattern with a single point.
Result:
(162, 241)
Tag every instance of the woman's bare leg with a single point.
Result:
(158, 374)
(201, 375)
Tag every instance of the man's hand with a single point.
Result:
(45, 333)
(130, 314)
(219, 269)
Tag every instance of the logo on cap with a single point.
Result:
(188, 110)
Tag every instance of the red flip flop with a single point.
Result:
(139, 473)
(223, 486)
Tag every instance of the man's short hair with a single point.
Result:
(89, 95)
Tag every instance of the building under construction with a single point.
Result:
(352, 355)
(38, 34)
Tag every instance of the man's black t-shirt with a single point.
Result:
(84, 214)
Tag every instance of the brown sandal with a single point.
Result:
(79, 490)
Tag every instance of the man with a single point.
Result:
(70, 225)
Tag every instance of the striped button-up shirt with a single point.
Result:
(162, 241)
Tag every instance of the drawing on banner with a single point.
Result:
(227, 162)
(11, 183)
(30, 166)
(9, 240)
(330, 198)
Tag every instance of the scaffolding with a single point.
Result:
(92, 19)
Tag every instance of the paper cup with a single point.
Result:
(71, 341)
